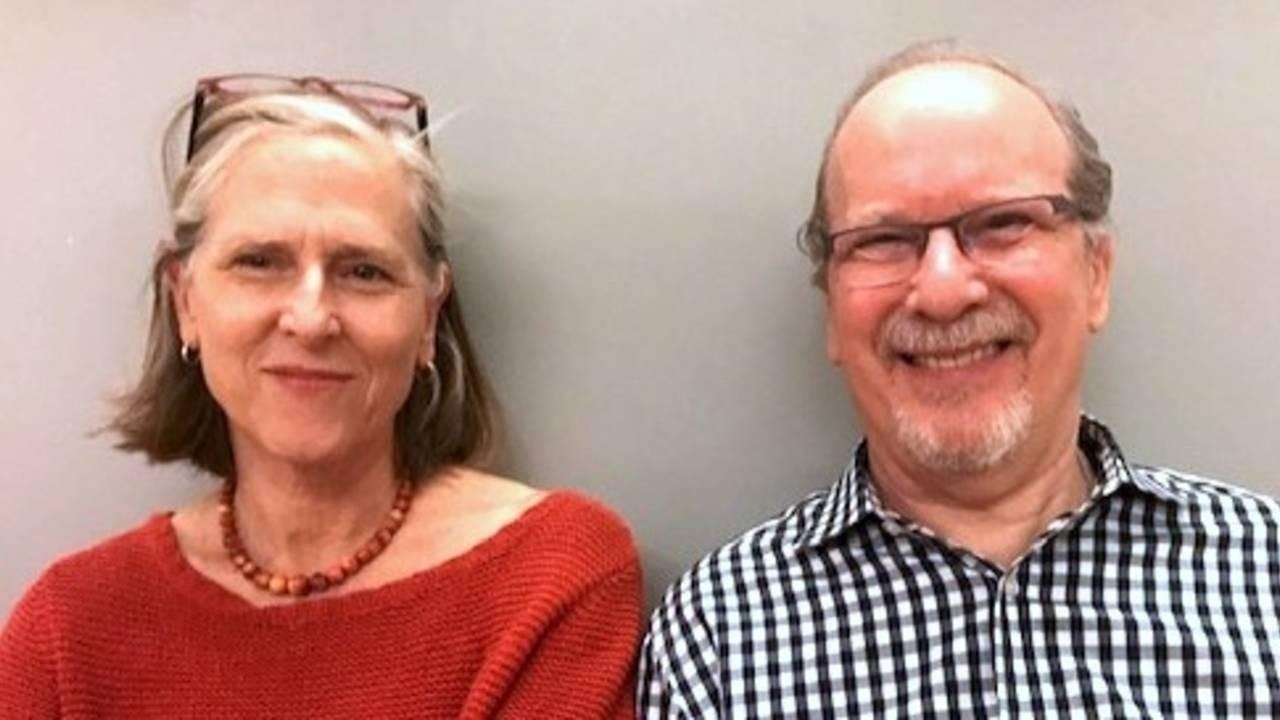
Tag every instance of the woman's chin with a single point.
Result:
(309, 449)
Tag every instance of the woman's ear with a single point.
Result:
(177, 283)
(441, 285)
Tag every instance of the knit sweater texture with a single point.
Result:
(541, 620)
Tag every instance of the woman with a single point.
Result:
(307, 346)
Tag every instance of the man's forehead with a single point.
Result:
(946, 128)
(952, 87)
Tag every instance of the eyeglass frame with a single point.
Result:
(1062, 205)
(207, 87)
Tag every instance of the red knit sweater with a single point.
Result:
(539, 621)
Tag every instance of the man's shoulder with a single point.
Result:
(748, 562)
(1202, 491)
(1211, 500)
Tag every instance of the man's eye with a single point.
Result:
(882, 246)
(999, 230)
(1005, 221)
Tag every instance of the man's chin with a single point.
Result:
(965, 443)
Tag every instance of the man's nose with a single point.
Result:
(947, 283)
(308, 313)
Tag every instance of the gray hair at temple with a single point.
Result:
(1088, 179)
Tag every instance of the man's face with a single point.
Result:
(961, 367)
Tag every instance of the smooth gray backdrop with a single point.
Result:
(625, 181)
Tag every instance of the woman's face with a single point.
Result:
(308, 299)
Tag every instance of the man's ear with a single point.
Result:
(441, 286)
(833, 338)
(1100, 259)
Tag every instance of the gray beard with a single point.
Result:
(966, 445)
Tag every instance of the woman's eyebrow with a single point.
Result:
(349, 251)
(258, 243)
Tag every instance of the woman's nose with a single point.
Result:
(308, 312)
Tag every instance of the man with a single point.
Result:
(989, 552)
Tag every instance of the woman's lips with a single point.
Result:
(308, 376)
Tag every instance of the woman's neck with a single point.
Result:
(302, 519)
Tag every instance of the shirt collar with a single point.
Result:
(853, 498)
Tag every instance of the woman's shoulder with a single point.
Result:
(123, 551)
(561, 512)
(555, 530)
(91, 579)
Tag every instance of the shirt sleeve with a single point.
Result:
(28, 686)
(678, 671)
(584, 665)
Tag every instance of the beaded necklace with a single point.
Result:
(302, 585)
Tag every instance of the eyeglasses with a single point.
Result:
(385, 103)
(996, 235)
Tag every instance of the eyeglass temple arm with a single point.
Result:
(197, 106)
(422, 118)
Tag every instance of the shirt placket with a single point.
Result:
(1009, 629)
(1005, 643)
(987, 581)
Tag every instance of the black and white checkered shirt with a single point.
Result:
(1158, 598)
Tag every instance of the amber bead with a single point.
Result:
(302, 585)
(298, 586)
(278, 584)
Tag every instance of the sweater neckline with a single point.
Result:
(212, 597)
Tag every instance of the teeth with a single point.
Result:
(947, 362)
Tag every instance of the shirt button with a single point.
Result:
(1011, 586)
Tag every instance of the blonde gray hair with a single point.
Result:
(449, 418)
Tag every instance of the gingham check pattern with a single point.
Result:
(1159, 598)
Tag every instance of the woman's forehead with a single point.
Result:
(305, 183)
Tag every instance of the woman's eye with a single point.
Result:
(368, 272)
(253, 260)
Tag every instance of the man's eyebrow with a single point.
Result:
(885, 215)
(873, 217)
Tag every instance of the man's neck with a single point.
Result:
(996, 514)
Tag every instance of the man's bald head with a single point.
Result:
(951, 84)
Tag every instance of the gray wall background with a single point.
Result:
(625, 180)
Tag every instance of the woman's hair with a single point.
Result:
(449, 417)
